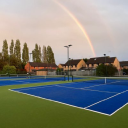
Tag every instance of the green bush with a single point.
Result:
(106, 70)
(9, 69)
(126, 71)
(58, 71)
(1, 72)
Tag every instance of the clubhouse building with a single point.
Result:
(36, 66)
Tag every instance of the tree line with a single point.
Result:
(13, 56)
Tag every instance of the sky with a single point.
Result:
(92, 27)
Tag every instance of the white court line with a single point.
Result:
(59, 102)
(98, 112)
(85, 89)
(93, 85)
(47, 99)
(119, 109)
(71, 105)
(86, 108)
(106, 99)
(105, 113)
(31, 88)
(101, 84)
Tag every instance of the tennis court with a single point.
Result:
(93, 95)
(24, 79)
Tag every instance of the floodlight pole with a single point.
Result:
(70, 66)
(106, 65)
(68, 46)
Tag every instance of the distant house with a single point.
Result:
(34, 66)
(92, 63)
(61, 66)
(73, 65)
(124, 64)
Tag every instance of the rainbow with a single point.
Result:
(79, 25)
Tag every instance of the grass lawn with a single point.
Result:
(23, 111)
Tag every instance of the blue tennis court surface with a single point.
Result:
(23, 81)
(102, 98)
(16, 81)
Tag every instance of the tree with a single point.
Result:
(40, 56)
(17, 52)
(25, 54)
(37, 53)
(13, 61)
(1, 57)
(12, 48)
(33, 56)
(103, 70)
(50, 55)
(5, 51)
(2, 62)
(12, 58)
(111, 70)
(44, 57)
(85, 60)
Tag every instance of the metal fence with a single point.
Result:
(80, 73)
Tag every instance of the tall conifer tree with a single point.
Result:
(37, 53)
(17, 52)
(40, 55)
(2, 63)
(12, 48)
(5, 51)
(25, 54)
(44, 57)
(12, 58)
(50, 55)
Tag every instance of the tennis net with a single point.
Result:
(88, 79)
(13, 76)
(117, 80)
(101, 80)
(4, 75)
(32, 76)
(18, 75)
(49, 77)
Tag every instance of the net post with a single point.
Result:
(72, 78)
(64, 78)
(105, 80)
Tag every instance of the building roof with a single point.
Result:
(98, 60)
(123, 63)
(38, 64)
(62, 64)
(72, 62)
